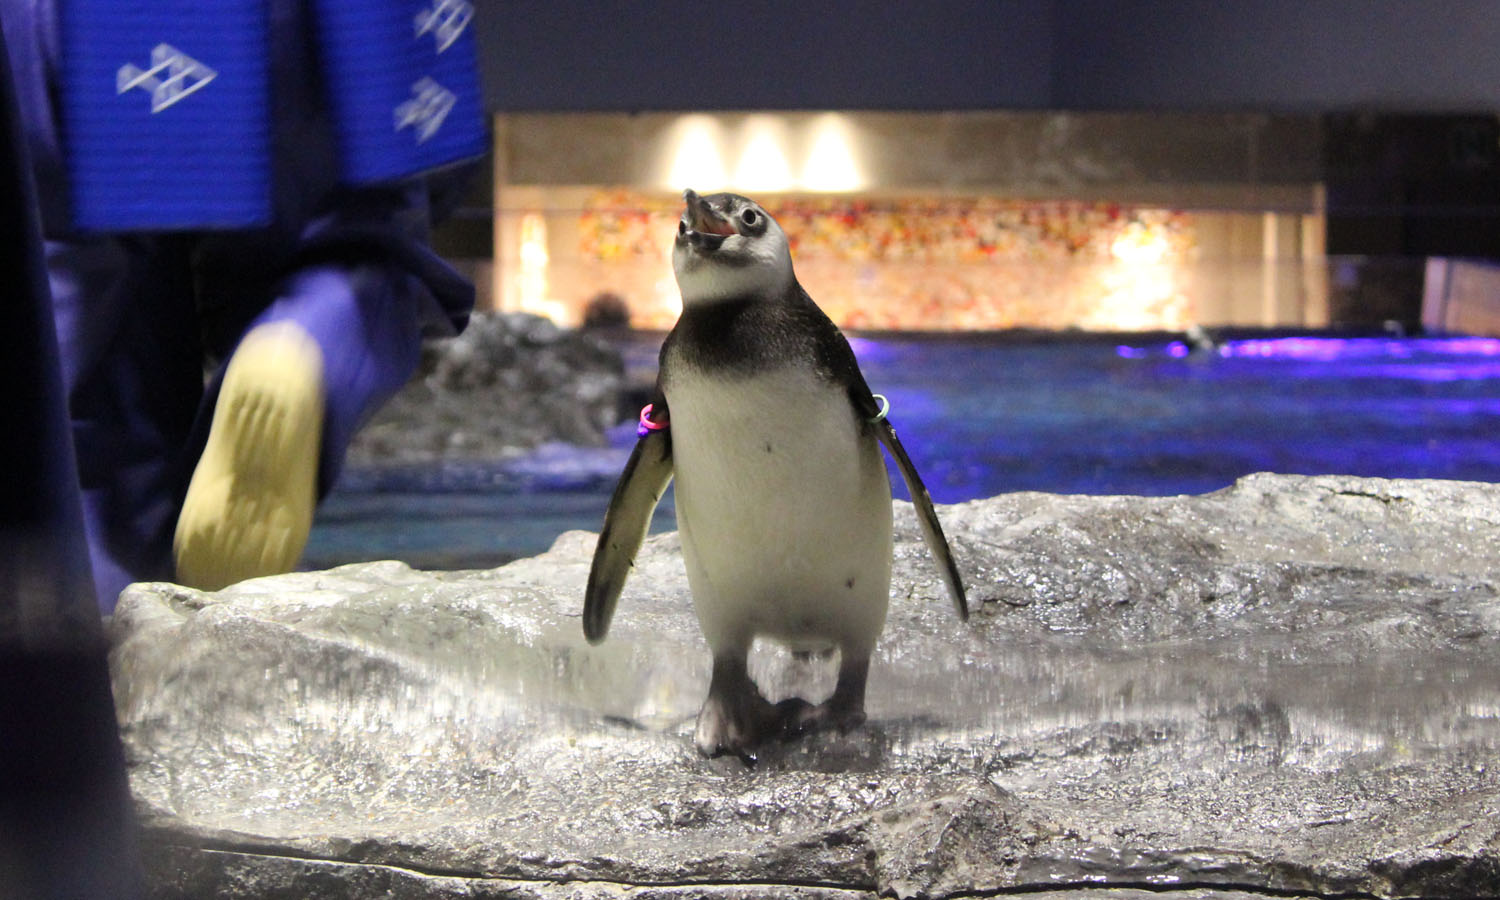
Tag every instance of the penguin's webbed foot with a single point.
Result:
(736, 727)
(844, 711)
(800, 718)
(736, 717)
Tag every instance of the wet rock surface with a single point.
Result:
(1287, 688)
(509, 382)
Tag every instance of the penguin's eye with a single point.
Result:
(750, 217)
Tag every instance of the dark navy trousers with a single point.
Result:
(66, 826)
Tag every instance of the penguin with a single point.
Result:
(761, 414)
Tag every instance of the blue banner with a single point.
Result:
(403, 82)
(165, 113)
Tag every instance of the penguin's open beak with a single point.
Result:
(702, 225)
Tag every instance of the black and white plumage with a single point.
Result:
(783, 503)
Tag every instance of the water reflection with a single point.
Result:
(982, 416)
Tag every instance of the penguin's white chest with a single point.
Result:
(784, 509)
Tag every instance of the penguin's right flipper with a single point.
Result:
(641, 485)
(932, 530)
(839, 360)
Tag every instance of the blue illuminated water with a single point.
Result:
(982, 415)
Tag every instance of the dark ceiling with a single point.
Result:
(1277, 55)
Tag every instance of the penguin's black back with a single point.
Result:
(746, 336)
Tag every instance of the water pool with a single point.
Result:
(983, 415)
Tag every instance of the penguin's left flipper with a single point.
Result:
(932, 531)
(641, 485)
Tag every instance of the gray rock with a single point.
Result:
(1288, 687)
(508, 383)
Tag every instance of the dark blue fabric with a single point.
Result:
(340, 309)
(45, 588)
(66, 823)
(166, 113)
(129, 330)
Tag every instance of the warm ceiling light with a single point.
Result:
(763, 165)
(830, 163)
(697, 161)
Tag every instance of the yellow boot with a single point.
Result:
(249, 506)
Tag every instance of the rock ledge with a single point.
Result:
(1284, 688)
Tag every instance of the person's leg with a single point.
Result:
(309, 371)
(132, 364)
(66, 823)
(366, 320)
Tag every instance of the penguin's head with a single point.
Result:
(728, 246)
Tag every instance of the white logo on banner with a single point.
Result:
(426, 110)
(445, 21)
(173, 76)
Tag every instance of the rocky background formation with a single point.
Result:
(508, 383)
(1284, 689)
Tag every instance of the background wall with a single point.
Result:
(1402, 94)
(1266, 55)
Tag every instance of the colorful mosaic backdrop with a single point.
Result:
(929, 262)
